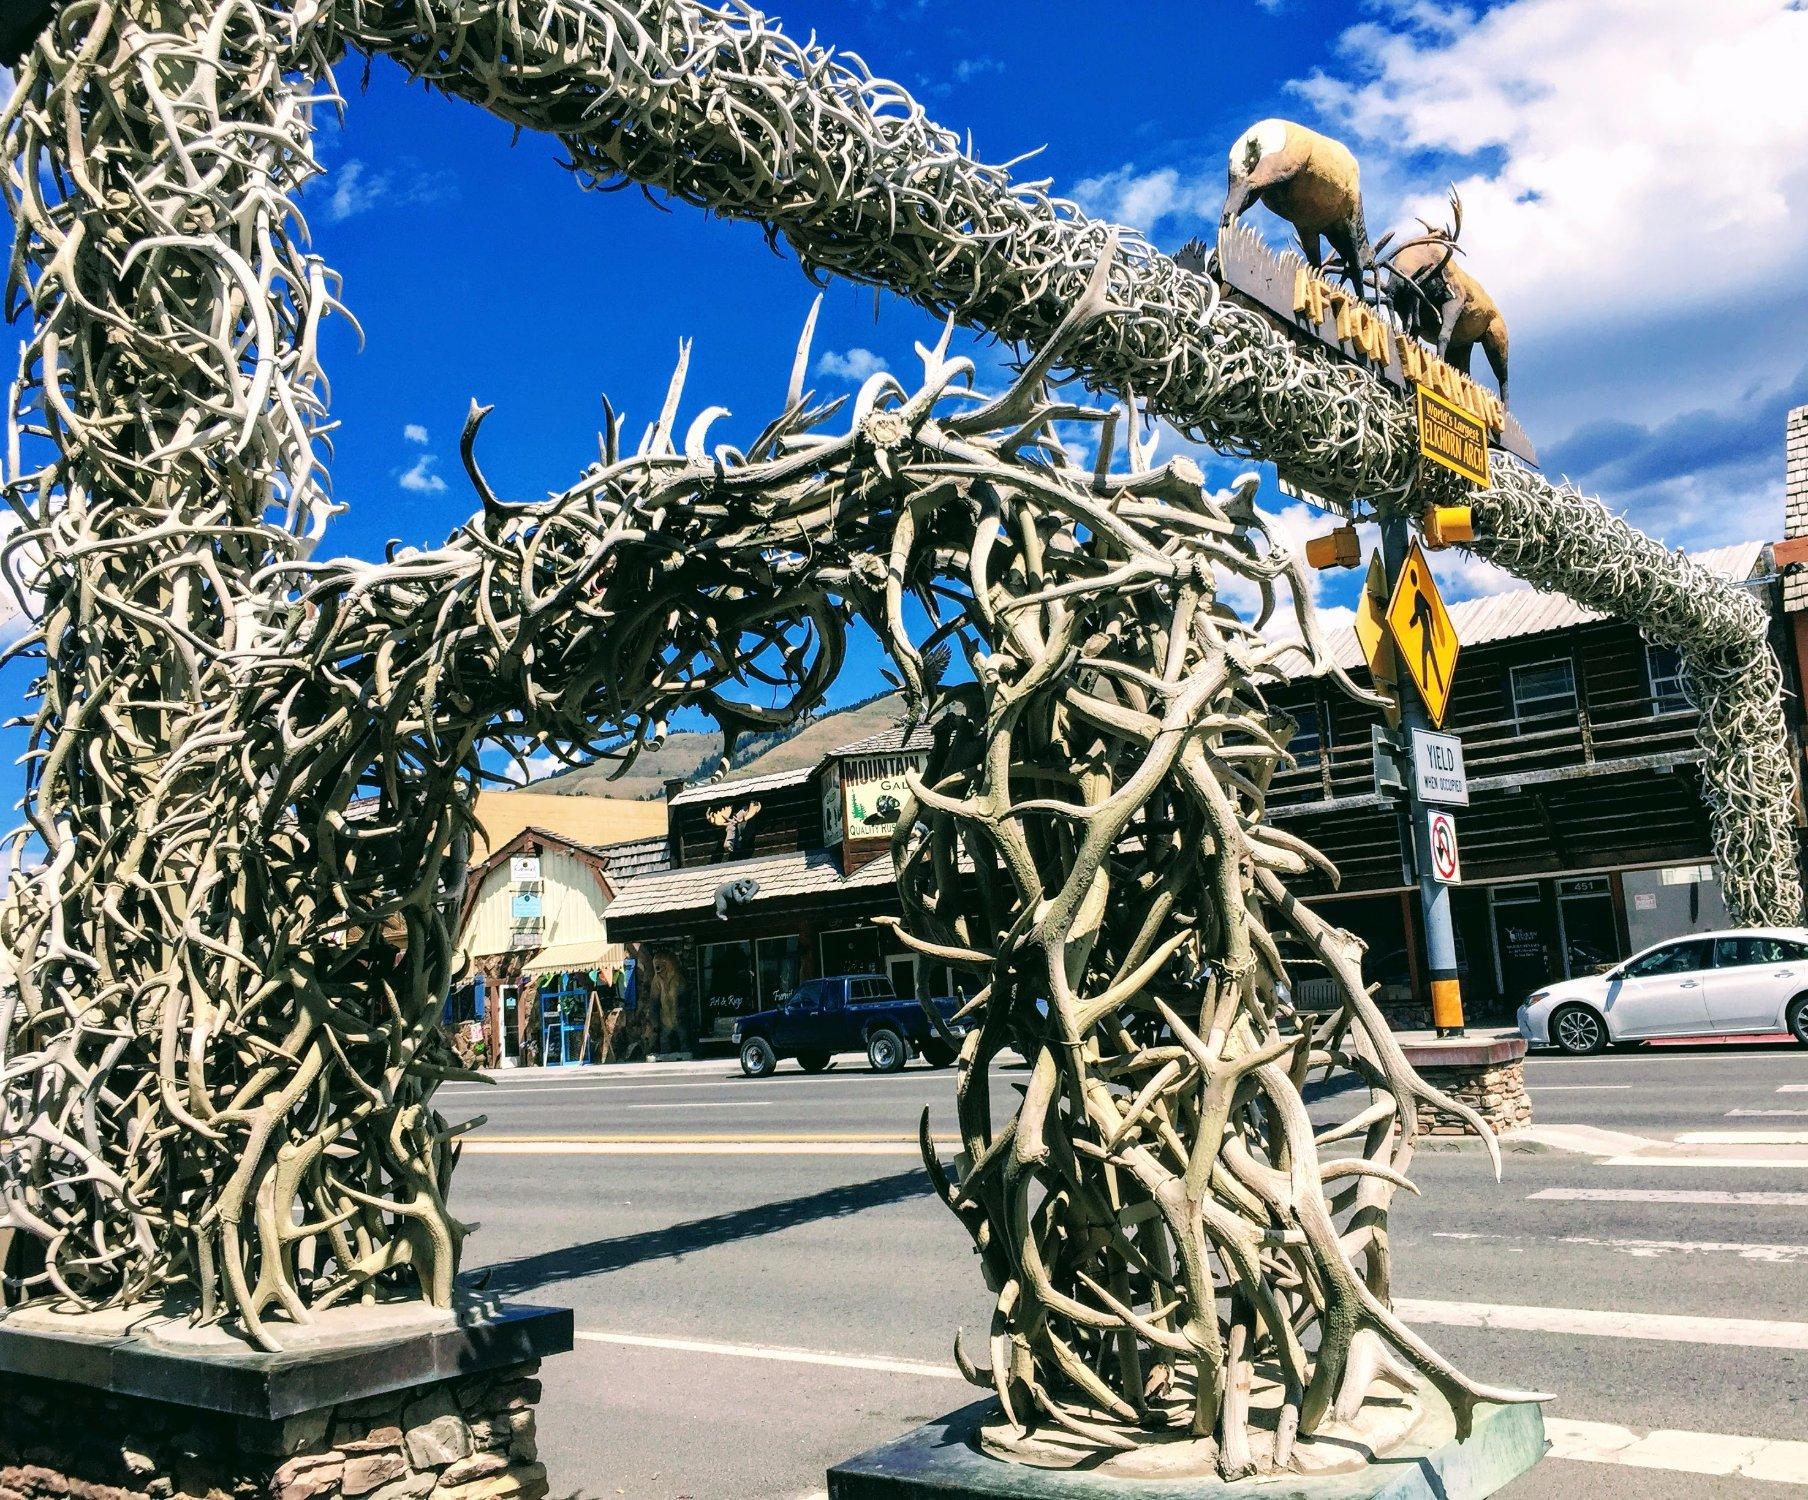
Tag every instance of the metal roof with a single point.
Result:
(1530, 611)
(799, 872)
(715, 791)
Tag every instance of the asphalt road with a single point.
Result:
(705, 1227)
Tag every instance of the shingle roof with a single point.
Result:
(715, 791)
(634, 857)
(800, 872)
(1529, 611)
(888, 741)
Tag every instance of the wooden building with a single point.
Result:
(775, 879)
(1586, 837)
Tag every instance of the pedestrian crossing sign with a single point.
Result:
(1423, 635)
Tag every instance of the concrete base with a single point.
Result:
(393, 1402)
(942, 1460)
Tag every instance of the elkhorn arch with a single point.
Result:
(252, 769)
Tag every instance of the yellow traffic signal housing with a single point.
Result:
(1444, 524)
(1335, 549)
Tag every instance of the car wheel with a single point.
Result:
(1798, 1019)
(937, 1054)
(886, 1050)
(757, 1057)
(813, 1062)
(1578, 1030)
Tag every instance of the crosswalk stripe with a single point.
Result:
(1779, 1462)
(1671, 1328)
(1668, 1195)
(1743, 1138)
(1767, 1114)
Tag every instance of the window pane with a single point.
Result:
(1669, 694)
(853, 950)
(1678, 958)
(1765, 950)
(1546, 687)
(780, 958)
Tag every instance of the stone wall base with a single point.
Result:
(1495, 1091)
(467, 1438)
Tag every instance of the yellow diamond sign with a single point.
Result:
(1423, 635)
(1371, 634)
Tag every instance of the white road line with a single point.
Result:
(1793, 1088)
(1577, 1088)
(1769, 1164)
(1776, 1255)
(1671, 1328)
(1687, 1452)
(1743, 1138)
(504, 1147)
(1668, 1195)
(1767, 1114)
(1580, 1442)
(782, 1355)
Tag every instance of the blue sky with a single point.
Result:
(1636, 188)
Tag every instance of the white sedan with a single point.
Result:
(1737, 983)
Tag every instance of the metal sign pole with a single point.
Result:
(1434, 895)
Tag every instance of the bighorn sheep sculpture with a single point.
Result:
(1438, 300)
(1308, 179)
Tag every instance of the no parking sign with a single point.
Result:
(1445, 866)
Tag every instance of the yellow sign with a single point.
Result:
(1371, 634)
(1450, 436)
(1423, 633)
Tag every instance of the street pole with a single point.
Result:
(1434, 895)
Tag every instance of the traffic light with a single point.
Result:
(1444, 524)
(1335, 549)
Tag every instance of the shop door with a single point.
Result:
(511, 1026)
(562, 1024)
(1519, 947)
(1591, 937)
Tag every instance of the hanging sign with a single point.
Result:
(1438, 768)
(524, 906)
(1446, 867)
(1452, 438)
(1423, 633)
(524, 867)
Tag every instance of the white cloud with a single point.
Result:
(966, 69)
(421, 480)
(1143, 199)
(415, 433)
(1637, 155)
(857, 364)
(356, 189)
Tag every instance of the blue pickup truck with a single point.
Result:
(844, 1013)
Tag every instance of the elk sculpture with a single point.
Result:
(1440, 302)
(1309, 180)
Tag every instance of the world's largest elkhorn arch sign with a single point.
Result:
(253, 769)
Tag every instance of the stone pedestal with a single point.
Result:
(942, 1460)
(1486, 1073)
(401, 1408)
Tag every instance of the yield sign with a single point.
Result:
(1423, 633)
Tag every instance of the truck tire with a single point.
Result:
(757, 1057)
(813, 1062)
(937, 1053)
(886, 1050)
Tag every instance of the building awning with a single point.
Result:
(594, 954)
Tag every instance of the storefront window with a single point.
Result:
(726, 985)
(780, 958)
(852, 950)
(1542, 691)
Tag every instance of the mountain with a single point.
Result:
(694, 754)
